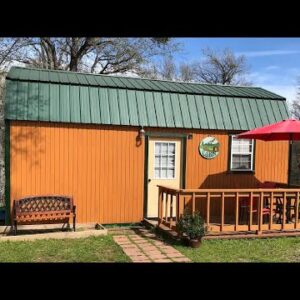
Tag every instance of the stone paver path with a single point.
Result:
(147, 248)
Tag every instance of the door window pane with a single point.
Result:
(157, 173)
(164, 164)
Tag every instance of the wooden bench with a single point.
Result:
(48, 209)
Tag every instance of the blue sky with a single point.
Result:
(274, 62)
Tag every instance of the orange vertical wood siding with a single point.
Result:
(101, 167)
(271, 164)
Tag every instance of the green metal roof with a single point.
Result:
(59, 96)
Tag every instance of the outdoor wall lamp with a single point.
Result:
(142, 133)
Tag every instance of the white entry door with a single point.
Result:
(164, 168)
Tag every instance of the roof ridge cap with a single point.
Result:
(130, 77)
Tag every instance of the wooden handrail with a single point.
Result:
(172, 202)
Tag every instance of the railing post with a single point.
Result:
(181, 205)
(166, 207)
(208, 209)
(171, 210)
(260, 213)
(251, 211)
(236, 210)
(177, 207)
(160, 199)
(284, 211)
(271, 210)
(297, 210)
(222, 211)
(193, 203)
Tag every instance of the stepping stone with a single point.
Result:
(181, 259)
(164, 260)
(130, 245)
(138, 242)
(172, 252)
(118, 237)
(133, 252)
(124, 243)
(173, 255)
(147, 247)
(167, 248)
(151, 250)
(121, 240)
(136, 237)
(139, 257)
(157, 256)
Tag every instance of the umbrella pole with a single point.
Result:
(290, 159)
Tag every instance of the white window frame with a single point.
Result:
(164, 178)
(242, 153)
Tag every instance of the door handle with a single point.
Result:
(149, 180)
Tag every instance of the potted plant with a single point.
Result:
(191, 228)
(182, 225)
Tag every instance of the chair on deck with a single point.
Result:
(245, 203)
(288, 212)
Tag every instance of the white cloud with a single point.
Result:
(268, 53)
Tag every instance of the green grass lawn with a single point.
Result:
(104, 249)
(252, 250)
(92, 249)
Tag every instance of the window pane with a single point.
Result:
(163, 173)
(164, 161)
(157, 173)
(171, 161)
(157, 148)
(171, 173)
(164, 148)
(171, 148)
(240, 161)
(157, 161)
(241, 146)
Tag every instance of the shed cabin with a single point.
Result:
(109, 142)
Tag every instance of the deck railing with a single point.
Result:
(263, 209)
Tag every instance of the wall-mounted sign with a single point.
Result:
(209, 147)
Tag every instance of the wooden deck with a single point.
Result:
(172, 233)
(259, 211)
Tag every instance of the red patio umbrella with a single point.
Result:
(286, 130)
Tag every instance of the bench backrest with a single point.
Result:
(43, 204)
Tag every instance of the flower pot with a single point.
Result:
(195, 243)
